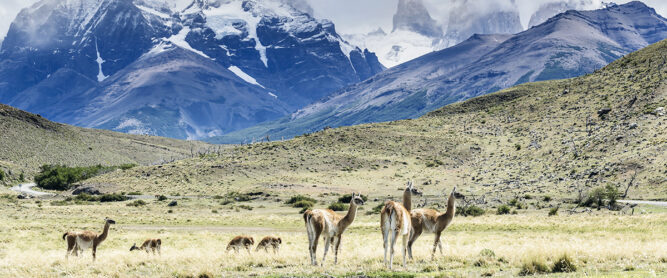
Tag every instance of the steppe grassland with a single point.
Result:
(195, 235)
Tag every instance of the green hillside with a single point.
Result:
(549, 138)
(28, 141)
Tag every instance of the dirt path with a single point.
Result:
(26, 188)
(654, 203)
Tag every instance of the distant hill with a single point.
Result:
(568, 45)
(28, 141)
(551, 138)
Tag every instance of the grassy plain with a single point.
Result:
(196, 232)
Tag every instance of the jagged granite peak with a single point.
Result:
(469, 17)
(412, 15)
(570, 44)
(61, 56)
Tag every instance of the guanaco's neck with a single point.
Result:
(349, 217)
(451, 209)
(407, 199)
(104, 233)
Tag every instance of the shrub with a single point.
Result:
(612, 194)
(564, 264)
(553, 211)
(546, 198)
(470, 211)
(246, 207)
(21, 177)
(517, 146)
(161, 198)
(504, 209)
(59, 177)
(127, 166)
(347, 198)
(533, 267)
(338, 207)
(2, 175)
(303, 204)
(376, 209)
(114, 197)
(136, 203)
(297, 198)
(134, 193)
(239, 197)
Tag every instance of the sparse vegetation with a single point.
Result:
(136, 203)
(471, 210)
(503, 209)
(533, 267)
(553, 211)
(298, 198)
(564, 264)
(58, 177)
(338, 207)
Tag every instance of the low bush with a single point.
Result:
(162, 198)
(114, 197)
(297, 198)
(338, 207)
(303, 204)
(345, 199)
(2, 175)
(60, 177)
(564, 264)
(134, 193)
(533, 267)
(239, 197)
(470, 211)
(136, 203)
(503, 209)
(546, 198)
(553, 211)
(376, 209)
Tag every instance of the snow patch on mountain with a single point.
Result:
(153, 12)
(179, 39)
(221, 18)
(246, 77)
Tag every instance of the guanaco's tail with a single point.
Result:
(65, 235)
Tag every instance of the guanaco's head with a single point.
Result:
(412, 189)
(251, 240)
(357, 199)
(109, 220)
(280, 241)
(134, 247)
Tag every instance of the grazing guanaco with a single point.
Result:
(431, 221)
(80, 241)
(270, 241)
(395, 220)
(239, 242)
(152, 243)
(330, 225)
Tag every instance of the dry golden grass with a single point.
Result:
(194, 240)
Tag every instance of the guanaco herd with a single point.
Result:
(396, 220)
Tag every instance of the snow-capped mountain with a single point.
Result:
(416, 33)
(211, 66)
(411, 15)
(568, 45)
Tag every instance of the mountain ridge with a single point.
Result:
(548, 51)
